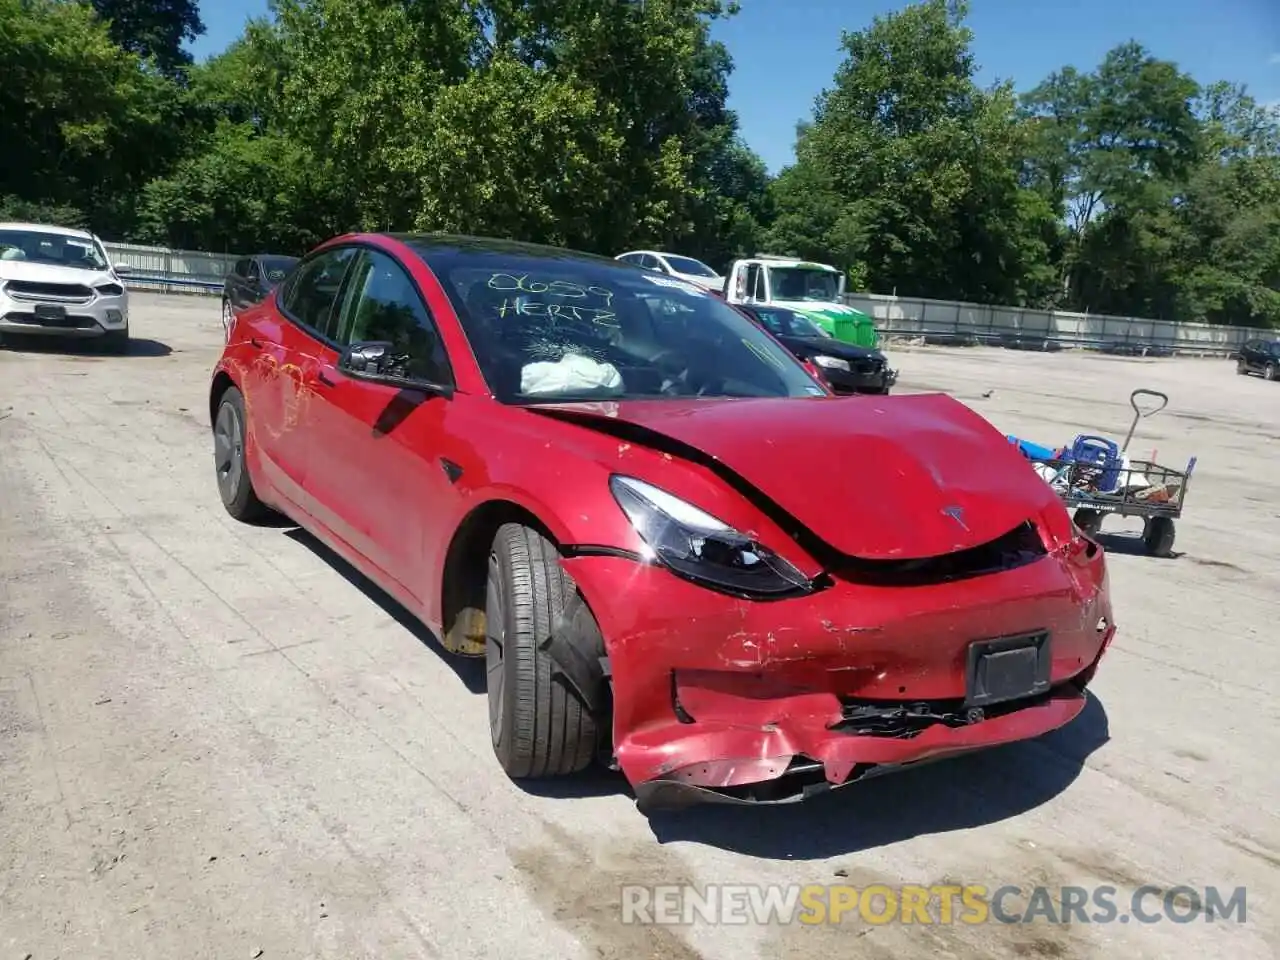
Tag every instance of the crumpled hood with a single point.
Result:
(51, 273)
(889, 478)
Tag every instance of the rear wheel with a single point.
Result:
(538, 724)
(1089, 521)
(1158, 535)
(235, 486)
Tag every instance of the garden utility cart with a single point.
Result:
(1094, 477)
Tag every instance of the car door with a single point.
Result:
(231, 285)
(374, 470)
(287, 341)
(253, 283)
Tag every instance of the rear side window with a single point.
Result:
(311, 293)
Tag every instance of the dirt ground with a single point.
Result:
(216, 743)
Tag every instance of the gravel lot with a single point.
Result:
(214, 742)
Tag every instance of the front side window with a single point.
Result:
(382, 304)
(804, 283)
(310, 296)
(563, 328)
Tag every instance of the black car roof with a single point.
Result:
(430, 245)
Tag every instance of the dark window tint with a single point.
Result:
(275, 269)
(310, 297)
(253, 270)
(690, 266)
(383, 304)
(241, 269)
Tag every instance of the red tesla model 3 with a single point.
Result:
(678, 553)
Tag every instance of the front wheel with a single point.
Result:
(538, 725)
(1158, 535)
(1273, 372)
(235, 486)
(226, 319)
(1089, 521)
(1242, 368)
(116, 341)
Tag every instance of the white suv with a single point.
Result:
(675, 265)
(55, 281)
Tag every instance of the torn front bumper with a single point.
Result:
(716, 698)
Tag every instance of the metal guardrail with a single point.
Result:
(147, 284)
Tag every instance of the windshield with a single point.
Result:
(804, 283)
(57, 249)
(788, 323)
(553, 329)
(695, 268)
(275, 269)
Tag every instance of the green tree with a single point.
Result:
(1110, 149)
(86, 123)
(154, 29)
(909, 174)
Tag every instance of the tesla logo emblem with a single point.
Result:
(956, 514)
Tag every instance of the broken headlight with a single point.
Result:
(697, 546)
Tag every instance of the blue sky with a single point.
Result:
(786, 51)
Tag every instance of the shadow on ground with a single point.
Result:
(470, 670)
(1130, 545)
(92, 348)
(957, 794)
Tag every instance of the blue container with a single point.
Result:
(1032, 451)
(1101, 453)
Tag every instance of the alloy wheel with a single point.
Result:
(228, 451)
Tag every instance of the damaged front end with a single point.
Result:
(739, 677)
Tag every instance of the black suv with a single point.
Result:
(1259, 356)
(250, 280)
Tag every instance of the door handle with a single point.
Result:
(255, 341)
(323, 377)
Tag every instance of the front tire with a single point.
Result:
(226, 319)
(1089, 521)
(1242, 368)
(116, 341)
(1273, 372)
(1158, 536)
(235, 486)
(538, 725)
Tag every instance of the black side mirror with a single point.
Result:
(377, 362)
(372, 359)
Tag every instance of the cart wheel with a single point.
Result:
(1089, 521)
(1157, 534)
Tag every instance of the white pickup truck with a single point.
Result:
(815, 290)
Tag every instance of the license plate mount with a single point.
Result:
(50, 311)
(1007, 668)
